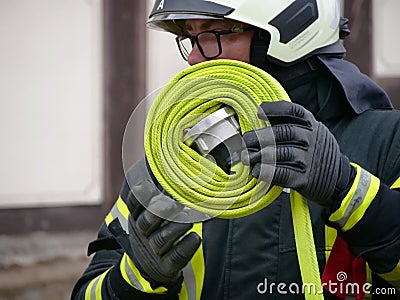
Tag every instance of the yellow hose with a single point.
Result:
(198, 182)
(189, 97)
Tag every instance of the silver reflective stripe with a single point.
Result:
(190, 281)
(117, 214)
(358, 198)
(93, 289)
(132, 276)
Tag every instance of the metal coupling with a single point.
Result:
(217, 135)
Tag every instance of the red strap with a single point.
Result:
(344, 272)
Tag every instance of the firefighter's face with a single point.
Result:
(208, 44)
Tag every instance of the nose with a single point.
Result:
(195, 56)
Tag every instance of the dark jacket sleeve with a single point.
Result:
(103, 274)
(372, 141)
(376, 237)
(113, 286)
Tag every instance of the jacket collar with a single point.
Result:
(360, 91)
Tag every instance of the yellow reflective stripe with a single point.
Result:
(89, 289)
(128, 273)
(123, 208)
(330, 237)
(93, 290)
(360, 211)
(99, 285)
(119, 210)
(109, 219)
(396, 184)
(393, 277)
(183, 295)
(339, 214)
(357, 200)
(145, 285)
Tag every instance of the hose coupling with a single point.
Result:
(217, 135)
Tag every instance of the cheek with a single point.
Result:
(244, 53)
(237, 50)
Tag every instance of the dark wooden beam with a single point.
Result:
(359, 42)
(125, 69)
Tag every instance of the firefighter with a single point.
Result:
(338, 145)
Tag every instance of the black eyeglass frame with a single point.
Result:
(194, 39)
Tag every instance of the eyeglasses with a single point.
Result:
(208, 42)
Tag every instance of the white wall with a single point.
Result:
(50, 102)
(386, 38)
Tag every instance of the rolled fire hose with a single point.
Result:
(198, 182)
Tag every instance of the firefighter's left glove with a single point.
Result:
(296, 152)
(161, 248)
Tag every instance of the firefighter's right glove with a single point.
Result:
(296, 152)
(161, 248)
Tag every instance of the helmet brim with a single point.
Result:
(175, 22)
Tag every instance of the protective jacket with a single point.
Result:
(248, 257)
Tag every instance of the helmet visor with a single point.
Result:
(170, 15)
(174, 23)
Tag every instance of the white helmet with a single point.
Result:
(297, 28)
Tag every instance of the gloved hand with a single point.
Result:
(296, 152)
(161, 248)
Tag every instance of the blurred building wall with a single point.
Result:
(51, 103)
(72, 73)
(51, 106)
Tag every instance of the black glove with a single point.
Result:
(296, 152)
(161, 248)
